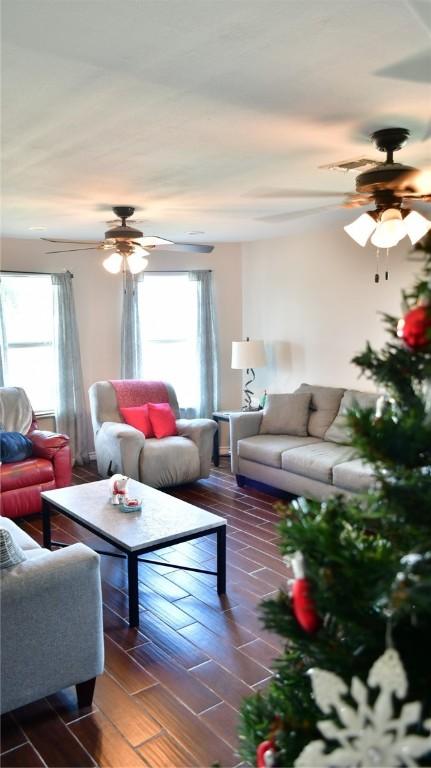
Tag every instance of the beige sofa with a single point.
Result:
(315, 465)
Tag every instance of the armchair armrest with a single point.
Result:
(56, 448)
(201, 431)
(51, 611)
(242, 425)
(119, 446)
(46, 444)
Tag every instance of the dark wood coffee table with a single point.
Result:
(163, 521)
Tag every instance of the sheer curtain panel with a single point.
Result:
(207, 343)
(3, 341)
(70, 411)
(131, 347)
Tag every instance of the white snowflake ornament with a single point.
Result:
(370, 734)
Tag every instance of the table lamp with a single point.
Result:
(248, 355)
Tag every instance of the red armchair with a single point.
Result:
(21, 482)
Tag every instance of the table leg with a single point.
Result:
(221, 560)
(46, 523)
(216, 445)
(132, 573)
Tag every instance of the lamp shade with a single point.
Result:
(248, 354)
(360, 229)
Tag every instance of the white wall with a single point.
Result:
(312, 298)
(98, 299)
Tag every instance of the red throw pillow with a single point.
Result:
(162, 419)
(138, 416)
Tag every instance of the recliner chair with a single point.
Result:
(49, 467)
(160, 463)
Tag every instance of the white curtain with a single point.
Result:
(207, 343)
(70, 410)
(131, 348)
(3, 341)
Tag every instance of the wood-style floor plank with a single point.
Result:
(172, 689)
(51, 738)
(105, 743)
(124, 711)
(165, 752)
(175, 678)
(190, 730)
(24, 756)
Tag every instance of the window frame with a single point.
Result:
(43, 412)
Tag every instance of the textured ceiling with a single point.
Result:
(191, 109)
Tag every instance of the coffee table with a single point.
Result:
(163, 521)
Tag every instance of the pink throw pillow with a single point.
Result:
(138, 416)
(162, 419)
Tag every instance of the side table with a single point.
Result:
(219, 416)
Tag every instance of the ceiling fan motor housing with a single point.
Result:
(389, 176)
(123, 233)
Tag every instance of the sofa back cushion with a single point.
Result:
(339, 432)
(286, 414)
(324, 406)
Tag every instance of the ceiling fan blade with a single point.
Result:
(72, 242)
(193, 247)
(290, 215)
(147, 240)
(70, 250)
(294, 193)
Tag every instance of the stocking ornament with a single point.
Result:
(303, 605)
(265, 754)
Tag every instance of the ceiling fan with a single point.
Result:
(390, 186)
(129, 245)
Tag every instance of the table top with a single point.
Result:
(163, 517)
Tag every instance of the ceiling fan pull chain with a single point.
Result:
(377, 273)
(387, 264)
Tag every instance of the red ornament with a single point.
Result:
(303, 605)
(265, 754)
(415, 327)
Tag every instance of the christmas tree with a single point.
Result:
(367, 558)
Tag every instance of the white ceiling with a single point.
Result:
(189, 109)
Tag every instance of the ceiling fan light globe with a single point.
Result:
(113, 263)
(136, 263)
(387, 235)
(361, 229)
(416, 226)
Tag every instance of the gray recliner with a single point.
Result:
(160, 463)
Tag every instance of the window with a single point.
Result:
(28, 318)
(168, 317)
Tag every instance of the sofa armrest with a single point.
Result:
(118, 448)
(242, 425)
(201, 431)
(52, 627)
(56, 448)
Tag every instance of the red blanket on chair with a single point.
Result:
(132, 392)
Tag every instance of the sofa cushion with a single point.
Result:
(339, 432)
(268, 449)
(353, 475)
(324, 405)
(10, 551)
(316, 460)
(162, 420)
(286, 414)
(21, 537)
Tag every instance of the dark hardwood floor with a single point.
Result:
(171, 691)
